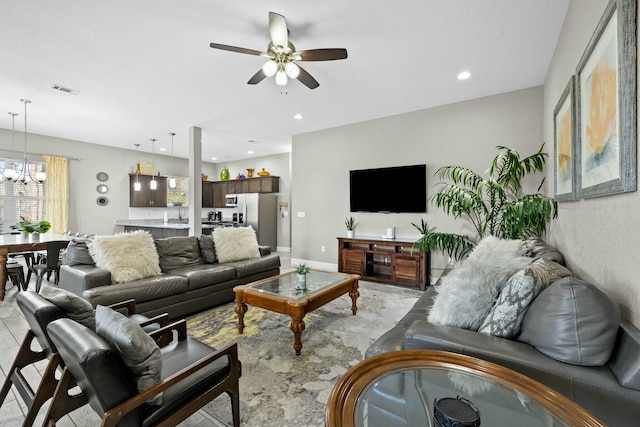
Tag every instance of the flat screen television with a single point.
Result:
(396, 189)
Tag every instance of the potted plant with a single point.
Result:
(351, 226)
(423, 227)
(494, 205)
(301, 271)
(27, 227)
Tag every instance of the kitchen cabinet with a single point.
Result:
(207, 194)
(264, 184)
(219, 191)
(146, 197)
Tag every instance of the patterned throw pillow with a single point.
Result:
(138, 350)
(506, 316)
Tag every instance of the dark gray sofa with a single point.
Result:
(192, 280)
(611, 392)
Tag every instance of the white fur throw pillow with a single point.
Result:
(465, 296)
(235, 244)
(128, 256)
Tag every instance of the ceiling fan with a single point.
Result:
(282, 54)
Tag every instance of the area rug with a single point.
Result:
(278, 388)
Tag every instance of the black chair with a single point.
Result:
(50, 264)
(193, 374)
(39, 312)
(15, 272)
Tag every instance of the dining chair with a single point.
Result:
(50, 264)
(15, 272)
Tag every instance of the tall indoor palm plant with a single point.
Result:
(494, 205)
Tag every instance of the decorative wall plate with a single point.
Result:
(102, 176)
(102, 201)
(102, 189)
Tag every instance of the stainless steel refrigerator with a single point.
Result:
(261, 212)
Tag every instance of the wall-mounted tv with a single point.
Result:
(395, 189)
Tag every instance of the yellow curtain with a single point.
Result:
(56, 192)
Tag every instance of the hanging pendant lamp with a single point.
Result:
(172, 179)
(10, 171)
(136, 185)
(153, 184)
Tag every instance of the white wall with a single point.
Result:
(465, 133)
(599, 237)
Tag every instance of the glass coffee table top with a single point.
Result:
(287, 285)
(402, 387)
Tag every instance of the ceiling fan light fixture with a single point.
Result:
(292, 70)
(269, 68)
(281, 78)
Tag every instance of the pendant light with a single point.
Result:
(136, 185)
(25, 175)
(10, 171)
(153, 184)
(172, 179)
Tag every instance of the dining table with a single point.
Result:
(12, 243)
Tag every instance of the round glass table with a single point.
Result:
(401, 388)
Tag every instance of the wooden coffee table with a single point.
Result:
(280, 294)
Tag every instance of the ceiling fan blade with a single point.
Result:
(235, 49)
(321, 54)
(278, 29)
(257, 77)
(307, 79)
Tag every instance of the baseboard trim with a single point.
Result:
(283, 249)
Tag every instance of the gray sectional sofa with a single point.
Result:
(191, 277)
(610, 390)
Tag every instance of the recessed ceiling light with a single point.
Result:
(298, 116)
(464, 75)
(214, 158)
(249, 152)
(163, 149)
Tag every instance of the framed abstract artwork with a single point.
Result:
(565, 143)
(606, 104)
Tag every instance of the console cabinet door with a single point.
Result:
(406, 269)
(352, 261)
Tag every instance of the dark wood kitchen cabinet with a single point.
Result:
(207, 194)
(146, 197)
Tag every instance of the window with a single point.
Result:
(24, 198)
(178, 196)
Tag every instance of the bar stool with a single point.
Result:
(15, 272)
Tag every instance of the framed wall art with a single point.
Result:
(606, 104)
(565, 144)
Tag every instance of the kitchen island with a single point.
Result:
(160, 229)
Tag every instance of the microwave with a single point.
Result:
(231, 200)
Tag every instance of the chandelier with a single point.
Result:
(22, 172)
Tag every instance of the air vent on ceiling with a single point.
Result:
(65, 89)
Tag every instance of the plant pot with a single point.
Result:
(35, 237)
(350, 234)
(302, 281)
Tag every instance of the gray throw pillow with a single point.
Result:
(572, 321)
(506, 315)
(138, 350)
(75, 307)
(207, 248)
(77, 253)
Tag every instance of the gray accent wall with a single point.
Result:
(464, 133)
(599, 237)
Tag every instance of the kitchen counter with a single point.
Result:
(159, 229)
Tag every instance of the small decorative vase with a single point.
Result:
(224, 174)
(263, 173)
(302, 281)
(249, 172)
(350, 234)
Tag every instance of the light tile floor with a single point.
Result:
(13, 328)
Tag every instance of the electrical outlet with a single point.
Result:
(322, 248)
(301, 214)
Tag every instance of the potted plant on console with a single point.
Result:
(495, 205)
(301, 272)
(351, 226)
